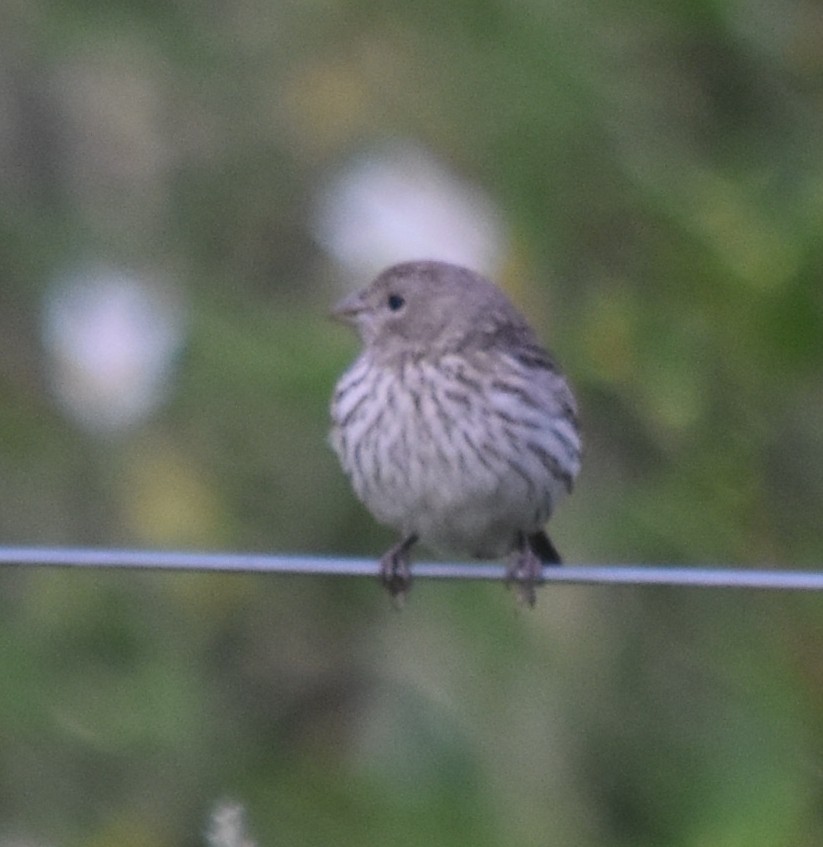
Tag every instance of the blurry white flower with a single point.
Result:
(112, 338)
(400, 203)
(228, 826)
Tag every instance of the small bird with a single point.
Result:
(454, 425)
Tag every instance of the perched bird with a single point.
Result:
(454, 425)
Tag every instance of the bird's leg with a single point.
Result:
(395, 573)
(526, 564)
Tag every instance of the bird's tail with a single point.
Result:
(541, 545)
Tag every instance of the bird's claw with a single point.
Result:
(525, 572)
(395, 571)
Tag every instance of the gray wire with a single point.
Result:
(696, 577)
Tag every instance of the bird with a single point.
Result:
(454, 424)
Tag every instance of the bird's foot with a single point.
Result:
(525, 569)
(395, 570)
(525, 572)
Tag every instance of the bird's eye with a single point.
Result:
(396, 302)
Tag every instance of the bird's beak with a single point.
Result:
(349, 308)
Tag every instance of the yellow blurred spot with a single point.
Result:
(516, 277)
(673, 396)
(751, 245)
(127, 830)
(167, 500)
(609, 335)
(325, 105)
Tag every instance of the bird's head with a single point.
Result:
(425, 307)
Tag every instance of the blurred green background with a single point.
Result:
(185, 188)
